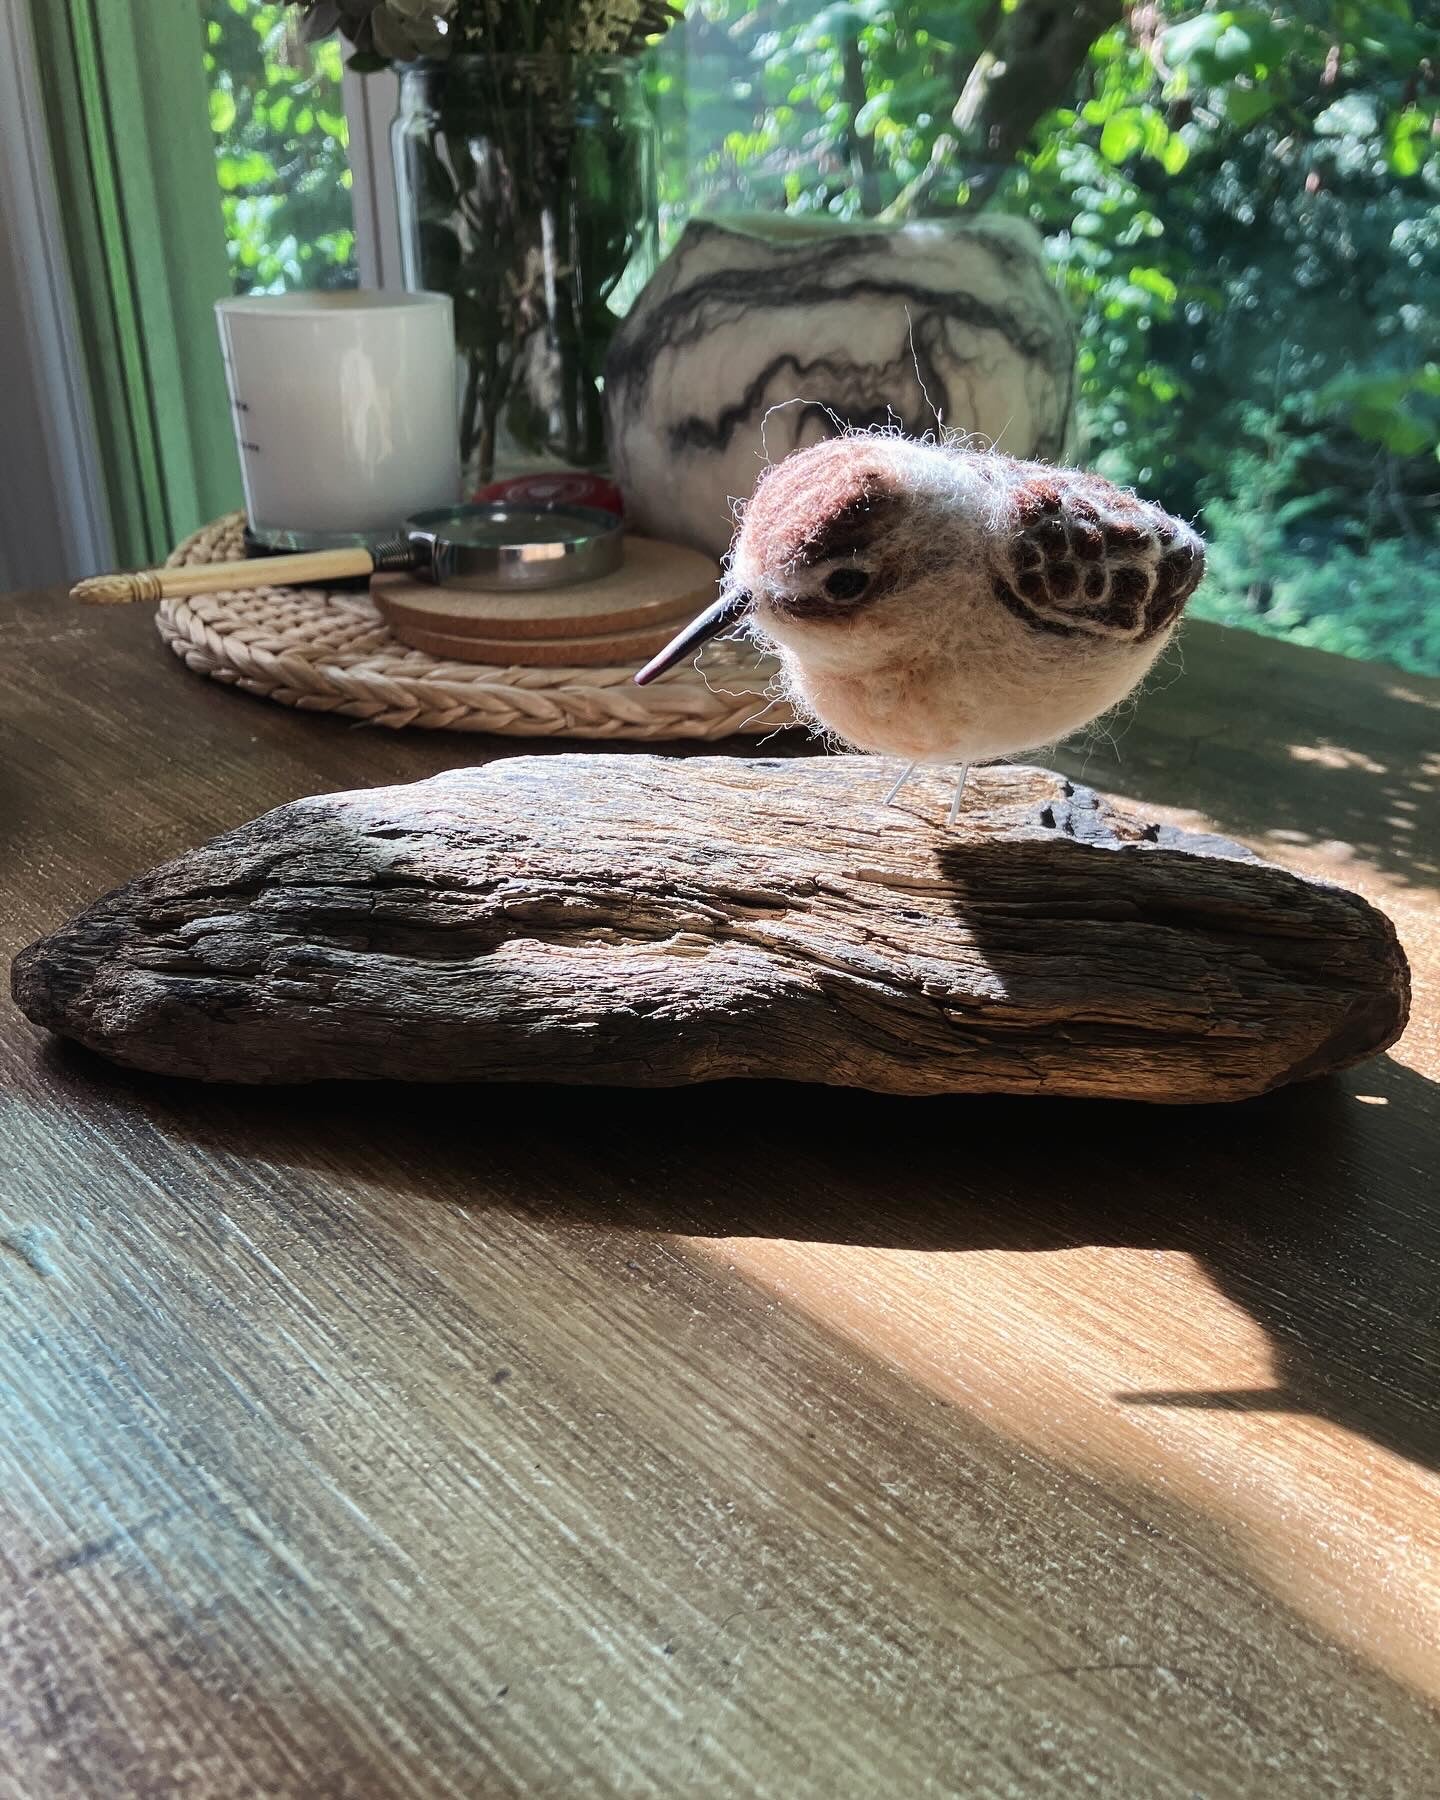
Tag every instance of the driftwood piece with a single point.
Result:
(647, 921)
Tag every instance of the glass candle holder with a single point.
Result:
(344, 407)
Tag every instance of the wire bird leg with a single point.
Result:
(959, 792)
(899, 782)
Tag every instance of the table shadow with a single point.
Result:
(1309, 1209)
(1286, 761)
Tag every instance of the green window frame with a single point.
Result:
(135, 176)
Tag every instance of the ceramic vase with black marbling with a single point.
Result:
(758, 336)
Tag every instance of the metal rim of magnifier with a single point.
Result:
(593, 546)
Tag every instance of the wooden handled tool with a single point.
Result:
(485, 548)
(314, 567)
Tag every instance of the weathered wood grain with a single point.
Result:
(645, 921)
(367, 1442)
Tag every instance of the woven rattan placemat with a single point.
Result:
(327, 651)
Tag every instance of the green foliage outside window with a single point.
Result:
(280, 149)
(1243, 204)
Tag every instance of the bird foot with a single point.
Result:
(959, 794)
(899, 782)
(909, 770)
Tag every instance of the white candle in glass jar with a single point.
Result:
(345, 409)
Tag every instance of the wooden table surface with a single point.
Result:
(738, 1441)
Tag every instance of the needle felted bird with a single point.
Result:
(949, 606)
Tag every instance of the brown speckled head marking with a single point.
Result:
(808, 510)
(855, 527)
(1084, 557)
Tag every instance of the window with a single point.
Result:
(1242, 204)
(281, 145)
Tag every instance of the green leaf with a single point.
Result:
(1160, 384)
(1175, 155)
(1244, 105)
(1399, 431)
(1235, 49)
(253, 170)
(1123, 135)
(1405, 141)
(1221, 45)
(1375, 390)
(1157, 132)
(1183, 43)
(876, 108)
(1156, 282)
(1405, 157)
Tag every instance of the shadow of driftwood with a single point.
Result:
(1308, 1209)
(1280, 747)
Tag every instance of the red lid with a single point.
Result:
(558, 487)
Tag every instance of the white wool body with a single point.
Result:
(1009, 603)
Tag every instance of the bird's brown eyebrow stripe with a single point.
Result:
(853, 527)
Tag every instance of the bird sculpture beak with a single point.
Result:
(728, 610)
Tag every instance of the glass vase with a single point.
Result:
(526, 188)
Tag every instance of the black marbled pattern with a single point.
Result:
(846, 329)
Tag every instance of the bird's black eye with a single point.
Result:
(846, 584)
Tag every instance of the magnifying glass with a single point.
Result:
(485, 549)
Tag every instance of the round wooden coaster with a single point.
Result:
(658, 585)
(608, 649)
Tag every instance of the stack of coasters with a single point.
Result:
(622, 618)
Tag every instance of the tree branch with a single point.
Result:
(1028, 67)
(861, 147)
